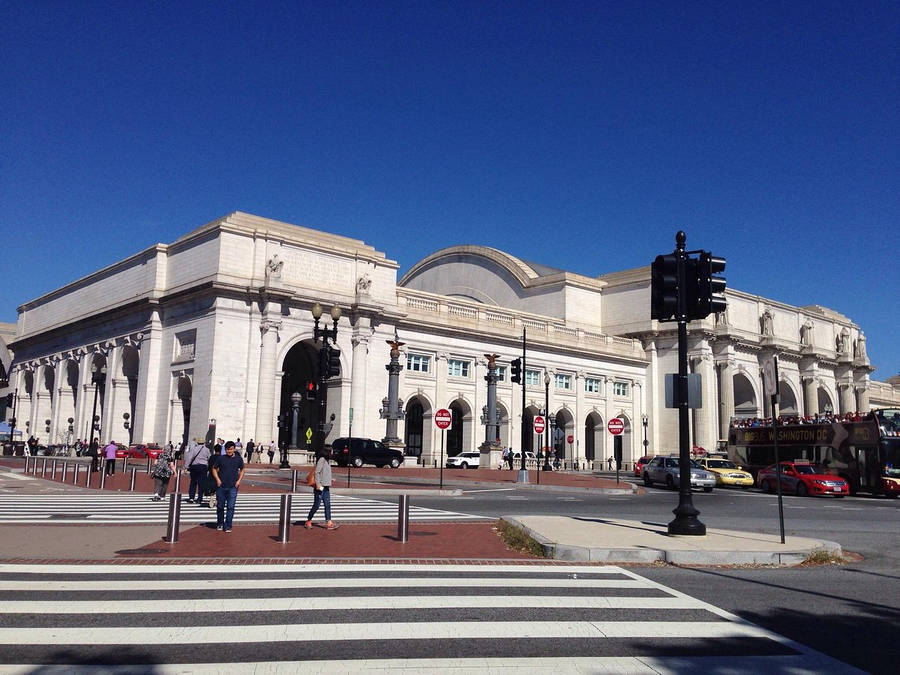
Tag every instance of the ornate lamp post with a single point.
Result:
(326, 353)
(392, 406)
(546, 452)
(98, 379)
(644, 420)
(551, 422)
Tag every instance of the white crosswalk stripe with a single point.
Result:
(250, 508)
(373, 618)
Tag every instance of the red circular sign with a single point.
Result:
(443, 419)
(539, 424)
(615, 426)
(570, 439)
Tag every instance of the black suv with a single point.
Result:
(359, 451)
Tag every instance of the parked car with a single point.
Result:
(726, 472)
(802, 479)
(464, 460)
(667, 470)
(150, 450)
(639, 465)
(529, 456)
(359, 451)
(133, 452)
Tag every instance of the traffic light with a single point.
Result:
(705, 291)
(310, 391)
(515, 369)
(284, 420)
(664, 287)
(712, 288)
(333, 360)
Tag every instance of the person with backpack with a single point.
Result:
(162, 471)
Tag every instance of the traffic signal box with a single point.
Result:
(704, 292)
(515, 369)
(329, 362)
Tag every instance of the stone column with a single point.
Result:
(359, 369)
(847, 399)
(392, 412)
(810, 396)
(145, 409)
(726, 404)
(575, 452)
(113, 356)
(266, 394)
(862, 397)
(491, 418)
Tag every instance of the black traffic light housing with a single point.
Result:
(664, 287)
(712, 287)
(515, 369)
(334, 362)
(311, 391)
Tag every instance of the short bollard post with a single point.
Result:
(284, 519)
(102, 479)
(177, 481)
(64, 471)
(87, 477)
(403, 518)
(26, 464)
(174, 517)
(44, 467)
(53, 471)
(125, 465)
(133, 476)
(148, 466)
(294, 480)
(75, 474)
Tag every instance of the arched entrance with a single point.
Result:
(414, 427)
(593, 437)
(300, 369)
(131, 364)
(503, 413)
(826, 403)
(564, 425)
(458, 433)
(787, 400)
(185, 394)
(528, 421)
(744, 397)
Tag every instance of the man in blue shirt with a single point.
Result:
(228, 472)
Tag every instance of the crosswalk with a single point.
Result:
(373, 618)
(250, 508)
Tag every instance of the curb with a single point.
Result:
(607, 554)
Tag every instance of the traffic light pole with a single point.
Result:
(523, 472)
(686, 521)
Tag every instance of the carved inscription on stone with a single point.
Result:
(306, 268)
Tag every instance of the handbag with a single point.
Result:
(311, 478)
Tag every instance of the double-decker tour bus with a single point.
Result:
(865, 452)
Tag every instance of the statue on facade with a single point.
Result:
(363, 284)
(842, 342)
(806, 334)
(273, 267)
(766, 322)
(859, 347)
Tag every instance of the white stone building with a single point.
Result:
(217, 325)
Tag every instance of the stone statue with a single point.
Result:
(806, 334)
(363, 284)
(859, 348)
(273, 267)
(842, 342)
(766, 323)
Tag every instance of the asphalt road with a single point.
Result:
(850, 611)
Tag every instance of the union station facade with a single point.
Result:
(217, 325)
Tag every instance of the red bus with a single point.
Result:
(866, 453)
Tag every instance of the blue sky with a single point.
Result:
(580, 135)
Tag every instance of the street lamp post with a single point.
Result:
(326, 334)
(546, 465)
(644, 420)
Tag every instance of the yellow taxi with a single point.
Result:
(726, 473)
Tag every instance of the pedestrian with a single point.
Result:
(510, 458)
(196, 460)
(162, 471)
(250, 446)
(219, 447)
(609, 461)
(228, 472)
(257, 452)
(110, 452)
(94, 455)
(239, 447)
(271, 452)
(506, 457)
(322, 490)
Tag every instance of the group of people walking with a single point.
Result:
(219, 472)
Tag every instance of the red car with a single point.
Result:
(639, 465)
(150, 450)
(802, 479)
(132, 453)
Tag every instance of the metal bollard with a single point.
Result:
(53, 471)
(148, 466)
(284, 518)
(133, 475)
(125, 465)
(87, 478)
(64, 471)
(177, 481)
(75, 474)
(44, 467)
(294, 480)
(102, 479)
(174, 517)
(26, 464)
(403, 518)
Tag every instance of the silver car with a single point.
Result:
(667, 470)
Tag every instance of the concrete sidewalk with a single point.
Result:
(628, 541)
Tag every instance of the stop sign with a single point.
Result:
(615, 426)
(570, 439)
(443, 419)
(539, 424)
